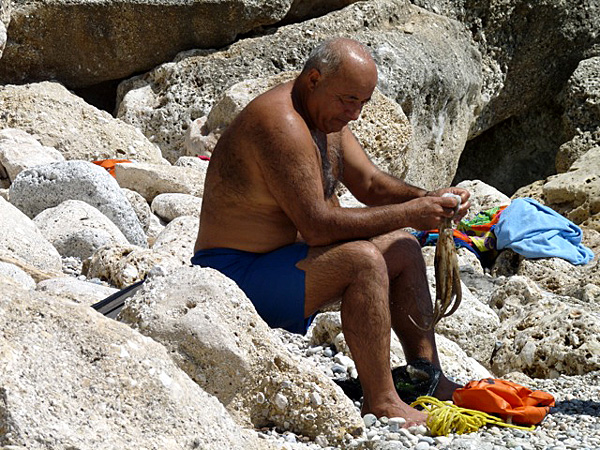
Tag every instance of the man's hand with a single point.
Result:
(465, 204)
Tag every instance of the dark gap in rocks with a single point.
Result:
(102, 95)
(515, 152)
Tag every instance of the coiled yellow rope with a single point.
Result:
(445, 418)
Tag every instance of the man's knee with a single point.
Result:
(366, 256)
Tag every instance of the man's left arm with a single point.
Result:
(374, 187)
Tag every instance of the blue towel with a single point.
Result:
(536, 231)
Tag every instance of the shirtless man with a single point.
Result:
(271, 222)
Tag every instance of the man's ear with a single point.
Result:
(314, 78)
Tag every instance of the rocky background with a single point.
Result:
(501, 96)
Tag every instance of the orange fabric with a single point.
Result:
(109, 164)
(511, 401)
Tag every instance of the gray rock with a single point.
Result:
(576, 193)
(78, 291)
(150, 180)
(19, 150)
(115, 47)
(572, 150)
(171, 206)
(42, 187)
(5, 10)
(190, 312)
(548, 338)
(73, 378)
(141, 208)
(17, 275)
(426, 63)
(472, 326)
(21, 239)
(178, 238)
(581, 97)
(483, 197)
(77, 229)
(123, 265)
(61, 120)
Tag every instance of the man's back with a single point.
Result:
(238, 210)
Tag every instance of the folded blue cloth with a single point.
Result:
(536, 231)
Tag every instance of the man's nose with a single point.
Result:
(353, 112)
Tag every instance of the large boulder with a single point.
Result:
(547, 338)
(42, 187)
(104, 39)
(64, 121)
(427, 64)
(124, 265)
(214, 334)
(21, 240)
(576, 193)
(581, 97)
(19, 150)
(178, 238)
(73, 289)
(150, 180)
(72, 378)
(171, 206)
(5, 8)
(77, 229)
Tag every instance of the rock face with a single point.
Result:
(113, 374)
(547, 338)
(150, 180)
(77, 229)
(61, 120)
(171, 206)
(190, 312)
(123, 265)
(19, 150)
(105, 42)
(42, 187)
(426, 63)
(22, 240)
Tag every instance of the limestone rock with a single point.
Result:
(17, 275)
(548, 338)
(150, 180)
(19, 150)
(308, 9)
(483, 197)
(61, 120)
(42, 187)
(5, 9)
(123, 265)
(427, 64)
(22, 240)
(472, 326)
(73, 378)
(214, 334)
(582, 97)
(140, 207)
(534, 190)
(77, 229)
(193, 162)
(178, 238)
(114, 46)
(576, 193)
(171, 206)
(572, 150)
(78, 291)
(154, 229)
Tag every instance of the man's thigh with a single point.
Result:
(331, 269)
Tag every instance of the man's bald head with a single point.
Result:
(329, 56)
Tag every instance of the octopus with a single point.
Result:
(448, 293)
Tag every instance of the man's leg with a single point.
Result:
(357, 272)
(409, 296)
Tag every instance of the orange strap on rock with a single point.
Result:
(511, 401)
(109, 164)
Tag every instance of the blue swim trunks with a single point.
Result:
(271, 281)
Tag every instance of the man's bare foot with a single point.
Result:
(395, 408)
(445, 388)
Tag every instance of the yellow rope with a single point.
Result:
(445, 418)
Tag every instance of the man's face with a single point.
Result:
(338, 98)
